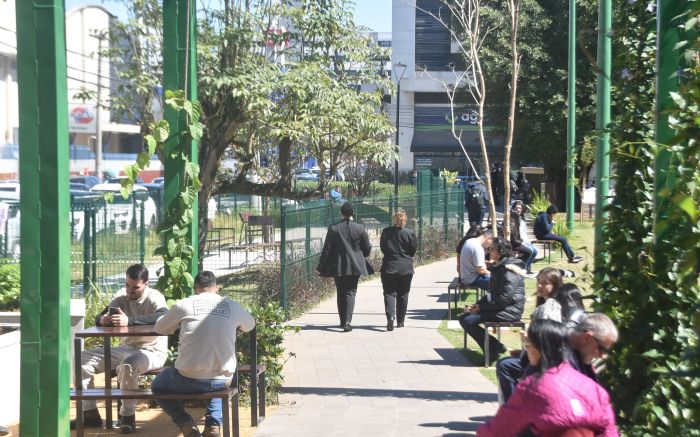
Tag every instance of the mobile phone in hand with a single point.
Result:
(112, 311)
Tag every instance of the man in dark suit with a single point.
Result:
(343, 258)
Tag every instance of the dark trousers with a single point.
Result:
(508, 372)
(561, 240)
(396, 288)
(476, 216)
(346, 287)
(470, 323)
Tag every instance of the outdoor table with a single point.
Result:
(106, 332)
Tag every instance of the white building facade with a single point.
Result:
(432, 60)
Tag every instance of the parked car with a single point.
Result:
(120, 212)
(119, 179)
(10, 187)
(74, 186)
(156, 191)
(158, 180)
(80, 202)
(9, 231)
(89, 181)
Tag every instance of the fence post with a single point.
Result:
(283, 260)
(432, 201)
(459, 209)
(86, 247)
(444, 213)
(419, 208)
(142, 233)
(307, 248)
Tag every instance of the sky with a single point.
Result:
(375, 14)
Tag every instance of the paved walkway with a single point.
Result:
(369, 382)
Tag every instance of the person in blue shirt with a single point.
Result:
(544, 223)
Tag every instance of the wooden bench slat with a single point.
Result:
(117, 393)
(245, 368)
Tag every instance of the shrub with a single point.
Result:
(9, 286)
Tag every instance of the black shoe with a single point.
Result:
(399, 324)
(127, 424)
(91, 419)
(390, 325)
(494, 356)
(576, 259)
(347, 327)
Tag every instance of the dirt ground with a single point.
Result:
(153, 422)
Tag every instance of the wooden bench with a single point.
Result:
(547, 246)
(456, 287)
(257, 386)
(497, 326)
(120, 394)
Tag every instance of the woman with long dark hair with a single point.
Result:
(557, 397)
(398, 244)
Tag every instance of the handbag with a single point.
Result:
(368, 266)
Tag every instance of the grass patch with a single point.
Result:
(581, 240)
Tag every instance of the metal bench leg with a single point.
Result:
(449, 308)
(486, 346)
(78, 383)
(253, 396)
(236, 416)
(226, 416)
(465, 339)
(261, 395)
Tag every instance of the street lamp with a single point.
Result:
(399, 69)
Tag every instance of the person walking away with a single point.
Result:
(544, 223)
(206, 361)
(474, 201)
(343, 258)
(135, 304)
(472, 261)
(398, 245)
(518, 236)
(504, 302)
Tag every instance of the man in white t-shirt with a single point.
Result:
(472, 261)
(207, 353)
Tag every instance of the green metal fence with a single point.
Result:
(436, 217)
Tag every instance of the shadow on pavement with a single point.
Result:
(436, 395)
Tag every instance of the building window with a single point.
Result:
(432, 38)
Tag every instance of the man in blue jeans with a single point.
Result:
(543, 231)
(207, 354)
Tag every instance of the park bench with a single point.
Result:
(119, 394)
(547, 248)
(496, 326)
(458, 289)
(371, 223)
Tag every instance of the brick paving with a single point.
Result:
(369, 382)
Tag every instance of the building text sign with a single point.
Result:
(81, 119)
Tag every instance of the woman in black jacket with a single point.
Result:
(505, 300)
(398, 244)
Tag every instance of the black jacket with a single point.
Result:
(507, 291)
(344, 251)
(543, 225)
(398, 246)
(515, 239)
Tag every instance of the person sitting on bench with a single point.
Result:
(543, 231)
(207, 353)
(504, 302)
(135, 304)
(472, 261)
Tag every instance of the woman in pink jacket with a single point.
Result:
(556, 398)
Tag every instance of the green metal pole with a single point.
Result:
(571, 118)
(180, 72)
(283, 262)
(668, 61)
(602, 161)
(45, 244)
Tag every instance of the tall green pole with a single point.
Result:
(668, 60)
(602, 160)
(571, 118)
(45, 243)
(180, 72)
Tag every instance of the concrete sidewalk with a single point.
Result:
(369, 382)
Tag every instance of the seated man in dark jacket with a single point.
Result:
(543, 231)
(505, 300)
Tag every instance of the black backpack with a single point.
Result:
(475, 198)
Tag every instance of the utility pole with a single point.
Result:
(100, 35)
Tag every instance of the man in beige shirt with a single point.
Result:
(135, 304)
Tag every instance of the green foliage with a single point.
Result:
(9, 286)
(538, 203)
(650, 283)
(270, 331)
(176, 250)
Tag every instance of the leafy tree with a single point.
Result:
(650, 282)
